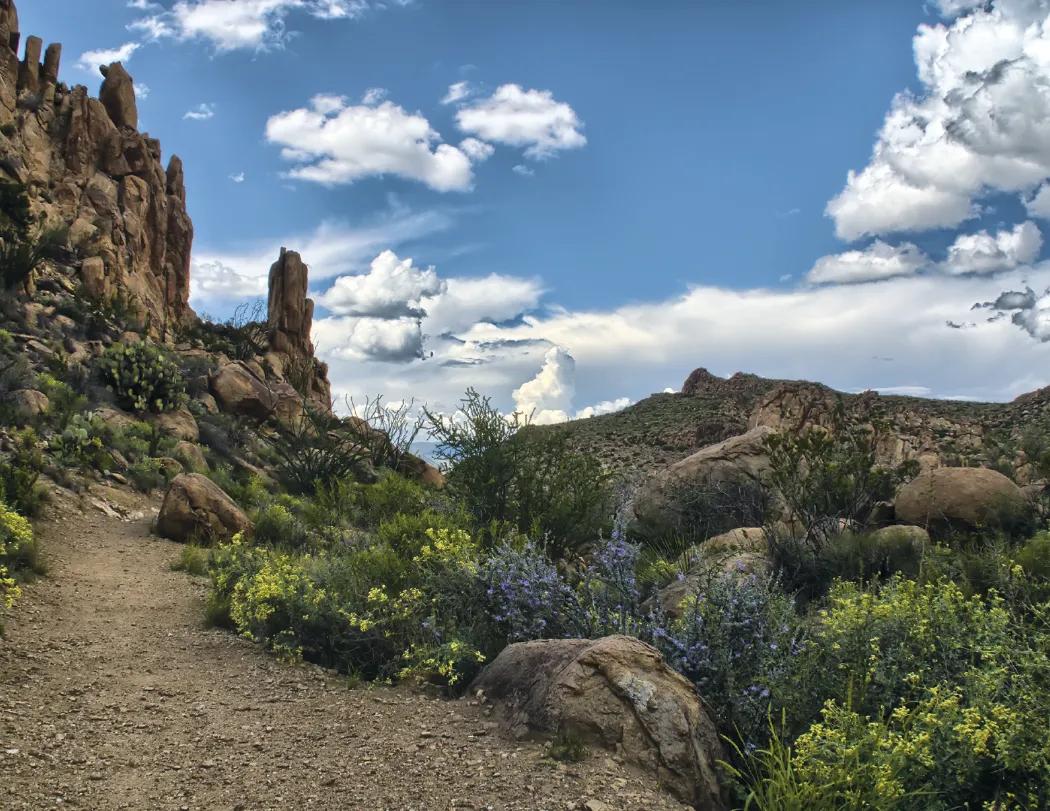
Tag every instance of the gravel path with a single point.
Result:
(112, 695)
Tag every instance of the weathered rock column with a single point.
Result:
(29, 72)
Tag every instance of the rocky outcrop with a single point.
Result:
(962, 498)
(197, 509)
(615, 692)
(85, 165)
(245, 392)
(290, 318)
(663, 503)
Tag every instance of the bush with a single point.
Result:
(142, 377)
(23, 252)
(702, 511)
(147, 475)
(20, 472)
(82, 445)
(18, 551)
(388, 431)
(193, 560)
(276, 526)
(316, 448)
(64, 402)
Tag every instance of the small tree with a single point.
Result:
(387, 431)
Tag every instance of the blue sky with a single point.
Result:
(621, 192)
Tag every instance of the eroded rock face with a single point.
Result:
(245, 392)
(966, 497)
(195, 508)
(662, 502)
(85, 165)
(615, 692)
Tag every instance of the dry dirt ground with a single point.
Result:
(113, 695)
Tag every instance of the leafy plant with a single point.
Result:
(20, 473)
(142, 377)
(317, 447)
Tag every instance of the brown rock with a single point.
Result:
(661, 504)
(29, 403)
(964, 497)
(615, 692)
(422, 471)
(118, 96)
(52, 62)
(29, 72)
(239, 390)
(197, 508)
(180, 424)
(191, 456)
(93, 277)
(290, 312)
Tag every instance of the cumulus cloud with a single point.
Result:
(332, 142)
(392, 288)
(993, 253)
(91, 61)
(230, 25)
(604, 407)
(202, 112)
(523, 170)
(547, 398)
(388, 340)
(217, 285)
(1038, 204)
(878, 261)
(980, 123)
(495, 298)
(476, 150)
(237, 177)
(458, 92)
(532, 119)
(374, 95)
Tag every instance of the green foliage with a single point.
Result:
(568, 746)
(193, 560)
(64, 402)
(243, 336)
(315, 448)
(18, 552)
(20, 473)
(390, 496)
(386, 430)
(276, 526)
(142, 377)
(82, 445)
(146, 475)
(534, 482)
(23, 253)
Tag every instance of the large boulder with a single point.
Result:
(241, 391)
(615, 692)
(733, 469)
(118, 96)
(195, 508)
(961, 498)
(179, 423)
(28, 404)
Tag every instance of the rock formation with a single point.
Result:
(616, 692)
(84, 164)
(195, 508)
(962, 497)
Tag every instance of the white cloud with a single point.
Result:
(981, 123)
(1027, 310)
(458, 92)
(374, 95)
(467, 301)
(91, 61)
(386, 340)
(202, 112)
(476, 150)
(142, 91)
(332, 249)
(547, 398)
(523, 170)
(524, 118)
(604, 407)
(993, 253)
(878, 261)
(392, 288)
(214, 285)
(1038, 205)
(334, 143)
(237, 177)
(235, 24)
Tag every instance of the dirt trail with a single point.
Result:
(112, 695)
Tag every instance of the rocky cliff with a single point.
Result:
(84, 164)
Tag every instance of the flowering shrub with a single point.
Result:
(736, 639)
(16, 535)
(142, 377)
(526, 596)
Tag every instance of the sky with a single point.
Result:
(571, 205)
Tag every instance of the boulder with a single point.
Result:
(118, 96)
(195, 508)
(191, 456)
(238, 391)
(93, 277)
(969, 498)
(740, 464)
(29, 403)
(422, 471)
(180, 424)
(617, 693)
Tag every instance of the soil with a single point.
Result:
(114, 696)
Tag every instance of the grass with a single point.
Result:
(568, 747)
(193, 560)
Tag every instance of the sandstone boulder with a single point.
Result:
(191, 456)
(118, 96)
(195, 508)
(422, 471)
(29, 403)
(239, 391)
(180, 424)
(961, 497)
(739, 464)
(617, 693)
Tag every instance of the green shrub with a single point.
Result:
(18, 551)
(22, 253)
(142, 377)
(20, 473)
(64, 402)
(315, 448)
(193, 560)
(146, 474)
(407, 532)
(276, 526)
(390, 496)
(82, 444)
